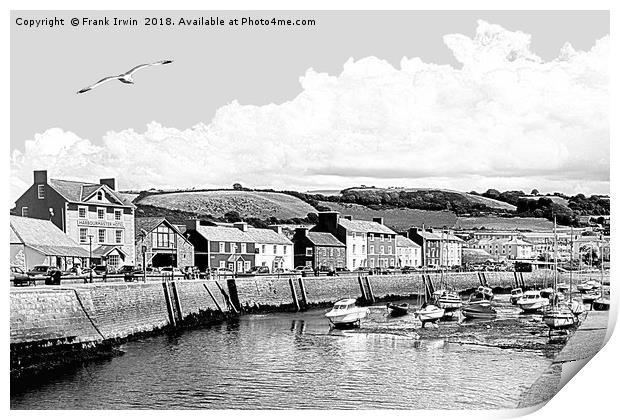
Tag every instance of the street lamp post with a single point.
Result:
(144, 263)
(90, 256)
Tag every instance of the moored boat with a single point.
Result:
(429, 313)
(601, 303)
(515, 295)
(478, 311)
(559, 317)
(346, 313)
(449, 301)
(532, 301)
(589, 297)
(398, 309)
(481, 295)
(588, 286)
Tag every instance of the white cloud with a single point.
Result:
(505, 119)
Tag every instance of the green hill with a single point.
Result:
(262, 205)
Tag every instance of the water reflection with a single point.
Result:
(297, 361)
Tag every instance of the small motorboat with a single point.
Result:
(346, 314)
(448, 300)
(589, 297)
(588, 286)
(577, 307)
(532, 301)
(398, 309)
(482, 295)
(478, 311)
(515, 295)
(602, 303)
(547, 292)
(430, 313)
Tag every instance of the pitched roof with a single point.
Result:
(43, 236)
(78, 192)
(223, 234)
(267, 236)
(323, 239)
(428, 235)
(145, 225)
(403, 242)
(364, 226)
(104, 250)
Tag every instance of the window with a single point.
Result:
(114, 260)
(164, 237)
(389, 249)
(308, 252)
(354, 248)
(100, 195)
(381, 237)
(391, 262)
(119, 236)
(354, 263)
(263, 248)
(231, 266)
(331, 252)
(41, 192)
(371, 236)
(83, 235)
(118, 214)
(372, 249)
(372, 262)
(246, 265)
(363, 249)
(244, 248)
(233, 248)
(82, 212)
(24, 211)
(381, 250)
(222, 264)
(100, 214)
(285, 249)
(101, 236)
(275, 249)
(222, 248)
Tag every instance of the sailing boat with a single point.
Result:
(429, 312)
(557, 316)
(602, 303)
(575, 306)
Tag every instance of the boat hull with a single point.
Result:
(431, 315)
(601, 305)
(351, 317)
(534, 306)
(398, 310)
(479, 311)
(559, 319)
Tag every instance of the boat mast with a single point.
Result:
(555, 258)
(570, 278)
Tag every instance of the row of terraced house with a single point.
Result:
(101, 228)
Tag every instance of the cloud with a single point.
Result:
(504, 119)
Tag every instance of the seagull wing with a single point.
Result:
(141, 66)
(94, 85)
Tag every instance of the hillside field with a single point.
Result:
(247, 203)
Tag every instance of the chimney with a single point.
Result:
(277, 229)
(242, 226)
(301, 232)
(348, 217)
(412, 232)
(40, 177)
(191, 224)
(328, 221)
(110, 182)
(378, 220)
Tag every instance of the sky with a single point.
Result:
(465, 100)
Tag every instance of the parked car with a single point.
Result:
(18, 277)
(408, 269)
(40, 272)
(304, 270)
(220, 271)
(104, 269)
(54, 276)
(129, 269)
(259, 270)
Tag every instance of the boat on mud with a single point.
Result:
(515, 295)
(448, 300)
(478, 311)
(588, 286)
(481, 295)
(398, 309)
(602, 303)
(346, 313)
(430, 313)
(532, 301)
(559, 317)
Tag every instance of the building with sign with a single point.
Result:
(93, 214)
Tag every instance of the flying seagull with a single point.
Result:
(125, 77)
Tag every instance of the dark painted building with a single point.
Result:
(430, 243)
(217, 246)
(318, 250)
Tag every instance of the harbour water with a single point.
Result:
(294, 360)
